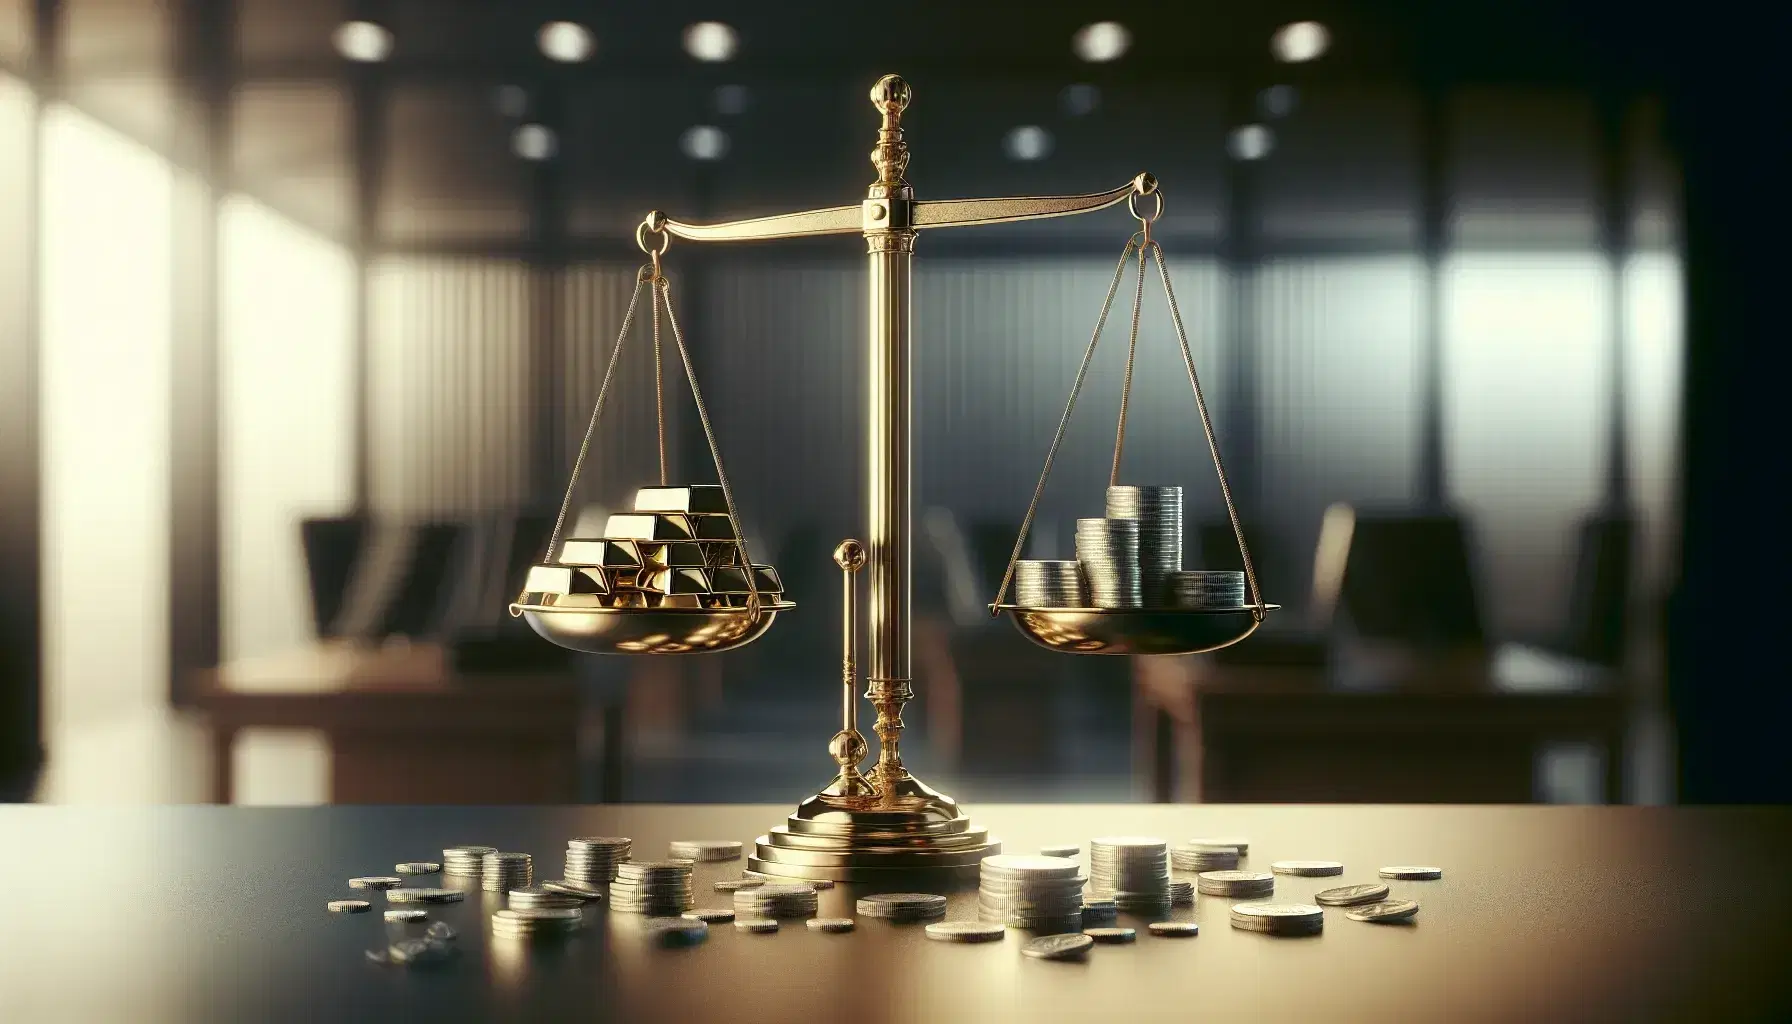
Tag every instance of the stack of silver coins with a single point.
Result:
(1135, 871)
(503, 872)
(1238, 885)
(465, 861)
(1279, 918)
(657, 888)
(1037, 893)
(593, 859)
(1196, 857)
(771, 902)
(1158, 511)
(1048, 585)
(536, 923)
(1203, 589)
(536, 897)
(1108, 551)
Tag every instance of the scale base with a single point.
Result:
(907, 833)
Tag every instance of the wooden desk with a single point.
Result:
(1461, 730)
(402, 726)
(1543, 914)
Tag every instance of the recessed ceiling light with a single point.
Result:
(711, 41)
(565, 41)
(534, 142)
(1278, 101)
(1250, 142)
(1080, 100)
(704, 142)
(731, 99)
(1027, 142)
(363, 41)
(1102, 41)
(1300, 41)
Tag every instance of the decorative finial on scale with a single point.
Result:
(891, 96)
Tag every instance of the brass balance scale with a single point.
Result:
(674, 576)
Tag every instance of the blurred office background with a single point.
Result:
(305, 305)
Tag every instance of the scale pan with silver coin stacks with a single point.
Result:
(883, 826)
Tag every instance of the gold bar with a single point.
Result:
(689, 554)
(678, 581)
(709, 527)
(699, 498)
(649, 526)
(733, 580)
(561, 579)
(611, 553)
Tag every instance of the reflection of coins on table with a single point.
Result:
(966, 931)
(1278, 918)
(1059, 947)
(1389, 912)
(1352, 895)
(676, 931)
(1412, 873)
(1307, 868)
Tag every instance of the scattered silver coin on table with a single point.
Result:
(406, 916)
(1351, 895)
(1412, 873)
(1182, 894)
(901, 906)
(418, 867)
(733, 884)
(424, 895)
(1036, 893)
(1111, 936)
(1307, 868)
(1174, 929)
(755, 925)
(1059, 947)
(1278, 918)
(1390, 912)
(349, 906)
(831, 924)
(966, 931)
(577, 890)
(1239, 843)
(705, 849)
(540, 896)
(1060, 851)
(1236, 884)
(375, 882)
(711, 915)
(1197, 858)
(676, 931)
(776, 901)
(441, 930)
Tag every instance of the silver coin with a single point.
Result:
(1110, 936)
(711, 915)
(1018, 866)
(902, 905)
(441, 931)
(424, 895)
(705, 849)
(406, 916)
(418, 867)
(349, 906)
(1389, 912)
(1412, 873)
(1073, 946)
(966, 931)
(578, 890)
(756, 925)
(1060, 851)
(467, 852)
(1239, 843)
(821, 883)
(1307, 868)
(1278, 918)
(733, 884)
(1182, 894)
(831, 924)
(375, 882)
(1351, 895)
(1174, 929)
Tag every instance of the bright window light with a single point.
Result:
(704, 142)
(534, 142)
(711, 41)
(1250, 142)
(363, 41)
(1101, 42)
(1028, 142)
(565, 41)
(1300, 41)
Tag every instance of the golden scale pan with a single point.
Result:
(673, 575)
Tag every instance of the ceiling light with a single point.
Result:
(731, 99)
(710, 41)
(363, 41)
(534, 142)
(1027, 142)
(704, 142)
(1079, 100)
(565, 41)
(1278, 101)
(1250, 142)
(1300, 41)
(1102, 41)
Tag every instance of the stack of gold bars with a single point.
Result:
(677, 549)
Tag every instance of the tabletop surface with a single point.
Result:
(202, 914)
